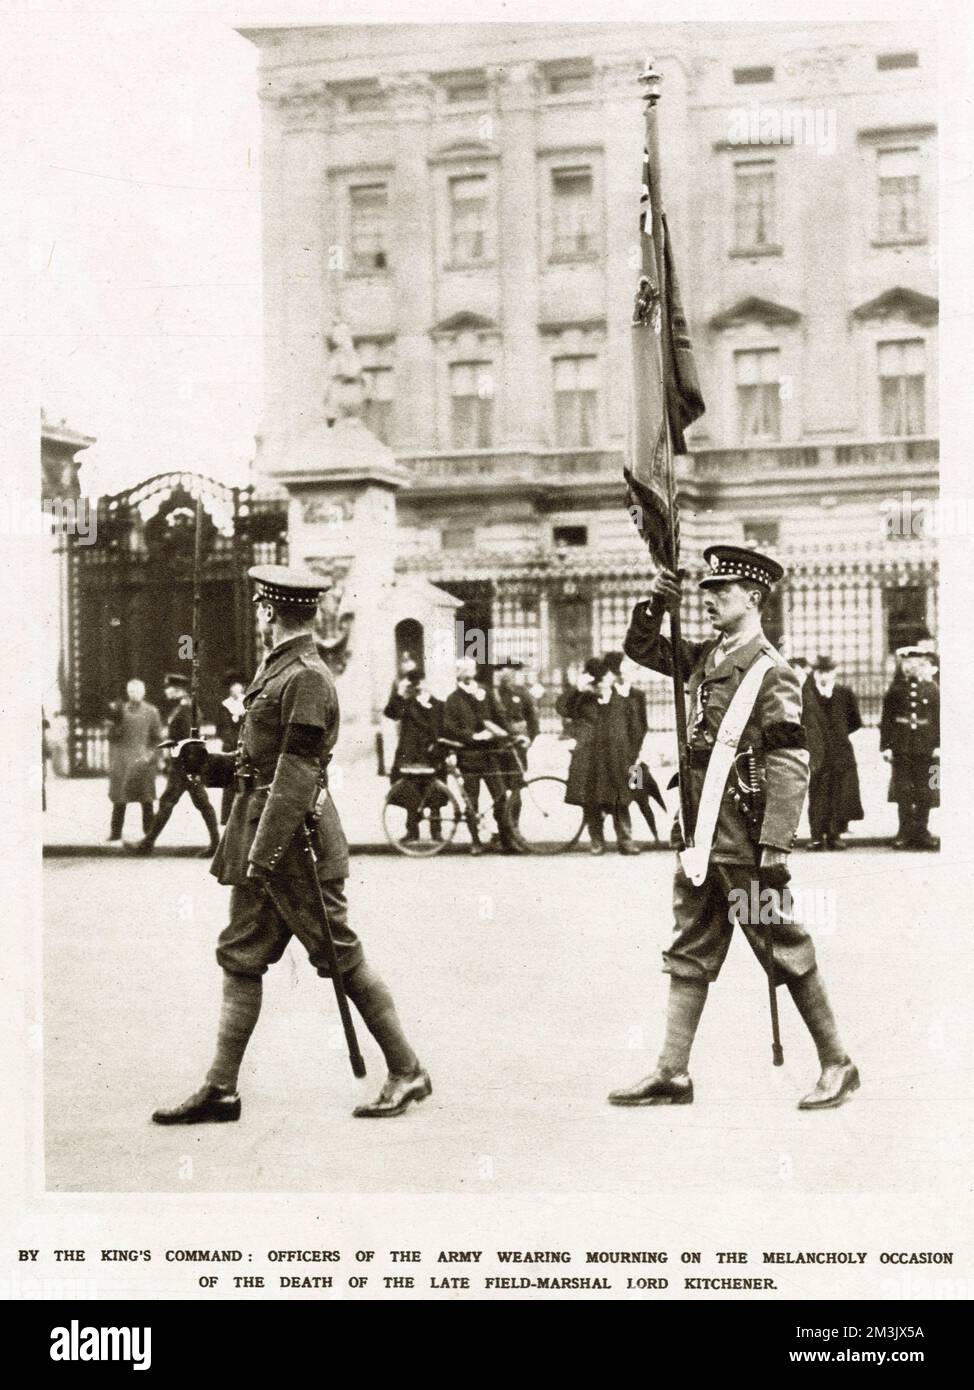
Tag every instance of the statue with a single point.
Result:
(345, 394)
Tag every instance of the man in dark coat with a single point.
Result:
(420, 718)
(909, 738)
(289, 730)
(746, 856)
(229, 719)
(473, 717)
(598, 775)
(643, 787)
(178, 781)
(133, 754)
(832, 711)
(521, 717)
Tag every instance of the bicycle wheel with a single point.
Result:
(420, 818)
(546, 823)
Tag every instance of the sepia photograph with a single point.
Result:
(472, 446)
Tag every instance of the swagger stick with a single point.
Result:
(194, 684)
(293, 924)
(651, 81)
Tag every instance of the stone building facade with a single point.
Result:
(465, 198)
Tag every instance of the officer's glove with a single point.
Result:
(775, 872)
(190, 756)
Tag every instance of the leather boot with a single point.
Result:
(656, 1089)
(208, 1105)
(396, 1095)
(836, 1084)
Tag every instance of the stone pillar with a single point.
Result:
(621, 101)
(519, 417)
(342, 521)
(412, 263)
(297, 126)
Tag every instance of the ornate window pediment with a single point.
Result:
(755, 310)
(464, 322)
(900, 303)
(463, 151)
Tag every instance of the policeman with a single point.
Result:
(179, 779)
(909, 737)
(741, 857)
(289, 729)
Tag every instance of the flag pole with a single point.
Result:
(650, 80)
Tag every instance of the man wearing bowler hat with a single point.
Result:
(289, 728)
(741, 840)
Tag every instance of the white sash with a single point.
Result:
(696, 859)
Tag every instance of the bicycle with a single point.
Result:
(431, 797)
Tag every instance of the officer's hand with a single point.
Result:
(668, 587)
(887, 755)
(258, 875)
(190, 754)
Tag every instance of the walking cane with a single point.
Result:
(351, 1041)
(776, 880)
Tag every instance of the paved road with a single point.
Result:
(530, 987)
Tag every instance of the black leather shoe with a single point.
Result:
(139, 846)
(836, 843)
(627, 847)
(657, 1089)
(209, 1105)
(596, 849)
(836, 1084)
(396, 1095)
(816, 844)
(900, 843)
(477, 848)
(927, 841)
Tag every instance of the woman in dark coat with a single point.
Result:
(133, 755)
(598, 777)
(420, 718)
(833, 790)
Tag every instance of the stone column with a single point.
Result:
(412, 263)
(519, 416)
(296, 313)
(623, 123)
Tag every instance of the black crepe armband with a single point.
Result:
(784, 734)
(304, 740)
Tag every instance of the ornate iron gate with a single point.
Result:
(131, 592)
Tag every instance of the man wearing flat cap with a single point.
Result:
(738, 840)
(179, 780)
(909, 738)
(290, 726)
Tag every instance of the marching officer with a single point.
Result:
(742, 849)
(179, 780)
(909, 737)
(289, 729)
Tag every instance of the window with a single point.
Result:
(563, 78)
(902, 387)
(570, 535)
(369, 217)
(906, 616)
(468, 219)
(364, 98)
(458, 538)
(749, 77)
(573, 213)
(889, 62)
(465, 87)
(759, 533)
(576, 401)
(472, 405)
(377, 414)
(758, 397)
(754, 205)
(899, 195)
